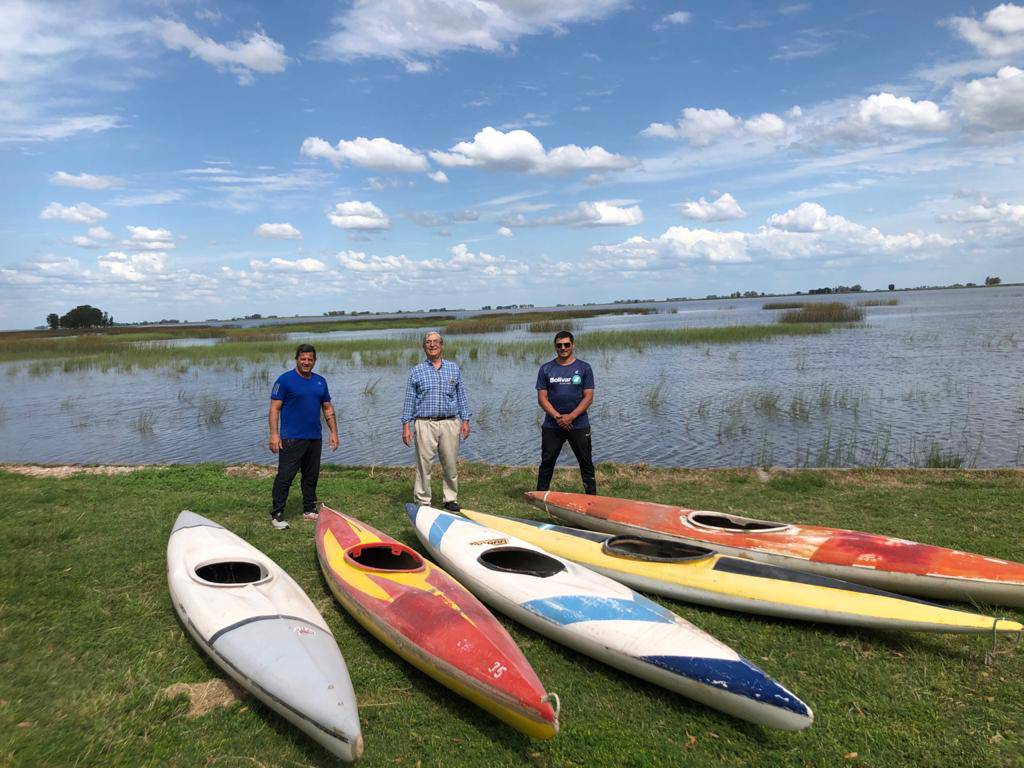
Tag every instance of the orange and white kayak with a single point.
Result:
(883, 562)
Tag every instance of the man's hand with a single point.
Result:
(334, 441)
(406, 434)
(275, 443)
(564, 420)
(464, 430)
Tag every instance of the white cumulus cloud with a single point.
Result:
(1000, 33)
(380, 154)
(890, 111)
(600, 213)
(358, 215)
(85, 180)
(505, 232)
(807, 217)
(520, 150)
(703, 127)
(439, 176)
(149, 234)
(766, 124)
(805, 232)
(412, 30)
(278, 232)
(258, 53)
(135, 268)
(286, 265)
(674, 19)
(993, 103)
(81, 213)
(724, 208)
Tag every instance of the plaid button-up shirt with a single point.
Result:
(433, 392)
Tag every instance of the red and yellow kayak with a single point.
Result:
(884, 562)
(430, 620)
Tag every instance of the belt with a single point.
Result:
(435, 418)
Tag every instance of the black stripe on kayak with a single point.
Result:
(221, 632)
(751, 568)
(210, 524)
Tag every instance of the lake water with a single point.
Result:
(943, 371)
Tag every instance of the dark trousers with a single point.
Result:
(297, 455)
(551, 443)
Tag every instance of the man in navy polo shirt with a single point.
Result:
(296, 402)
(565, 390)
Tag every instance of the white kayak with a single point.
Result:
(259, 626)
(604, 619)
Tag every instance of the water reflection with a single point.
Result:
(939, 376)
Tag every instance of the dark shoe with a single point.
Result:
(452, 506)
(279, 522)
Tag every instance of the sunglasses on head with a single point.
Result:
(563, 344)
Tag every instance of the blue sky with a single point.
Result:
(213, 159)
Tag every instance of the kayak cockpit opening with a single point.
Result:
(384, 556)
(528, 562)
(719, 521)
(653, 550)
(230, 573)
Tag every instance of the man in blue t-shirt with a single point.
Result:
(565, 390)
(296, 402)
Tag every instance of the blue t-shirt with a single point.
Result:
(565, 385)
(302, 402)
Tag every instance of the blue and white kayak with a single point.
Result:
(603, 619)
(251, 618)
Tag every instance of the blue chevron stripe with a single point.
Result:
(438, 529)
(739, 677)
(412, 510)
(570, 609)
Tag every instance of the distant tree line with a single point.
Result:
(82, 316)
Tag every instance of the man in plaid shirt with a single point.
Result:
(436, 410)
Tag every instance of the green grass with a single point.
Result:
(553, 326)
(783, 304)
(89, 640)
(823, 312)
(503, 321)
(107, 353)
(878, 303)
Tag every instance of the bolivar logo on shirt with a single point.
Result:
(576, 379)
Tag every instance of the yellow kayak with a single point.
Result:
(698, 575)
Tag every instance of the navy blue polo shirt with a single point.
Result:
(302, 400)
(565, 385)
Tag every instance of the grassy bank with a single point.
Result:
(89, 641)
(536, 321)
(101, 352)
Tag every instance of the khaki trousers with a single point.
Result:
(442, 438)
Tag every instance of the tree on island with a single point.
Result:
(53, 320)
(892, 286)
(82, 316)
(993, 280)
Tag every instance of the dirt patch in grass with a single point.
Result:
(67, 470)
(251, 470)
(202, 697)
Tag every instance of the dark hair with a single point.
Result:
(565, 335)
(302, 348)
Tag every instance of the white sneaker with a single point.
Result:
(279, 522)
(311, 516)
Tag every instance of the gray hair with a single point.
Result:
(428, 334)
